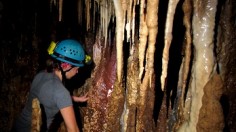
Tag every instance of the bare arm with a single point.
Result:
(69, 119)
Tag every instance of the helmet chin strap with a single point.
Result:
(69, 69)
(63, 73)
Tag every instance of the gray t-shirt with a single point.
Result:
(52, 94)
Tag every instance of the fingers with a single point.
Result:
(86, 94)
(82, 98)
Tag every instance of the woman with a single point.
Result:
(67, 57)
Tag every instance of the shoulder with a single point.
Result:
(42, 75)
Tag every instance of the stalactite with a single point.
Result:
(80, 11)
(52, 3)
(203, 66)
(119, 37)
(60, 10)
(185, 66)
(106, 20)
(133, 20)
(106, 15)
(148, 83)
(87, 7)
(143, 33)
(103, 19)
(168, 38)
(145, 83)
(152, 13)
(129, 20)
(95, 8)
(187, 8)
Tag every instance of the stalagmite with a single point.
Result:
(98, 111)
(119, 37)
(162, 117)
(211, 117)
(203, 65)
(142, 104)
(133, 84)
(128, 119)
(60, 9)
(36, 116)
(168, 38)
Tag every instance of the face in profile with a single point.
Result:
(72, 72)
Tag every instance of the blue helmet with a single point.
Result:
(69, 51)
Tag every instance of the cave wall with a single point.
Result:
(145, 74)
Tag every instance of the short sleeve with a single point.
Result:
(62, 97)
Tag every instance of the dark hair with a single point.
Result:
(52, 64)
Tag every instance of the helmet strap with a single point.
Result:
(63, 73)
(69, 69)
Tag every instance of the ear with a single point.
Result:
(65, 65)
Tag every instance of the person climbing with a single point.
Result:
(66, 57)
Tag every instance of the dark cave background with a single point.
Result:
(28, 26)
(26, 29)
